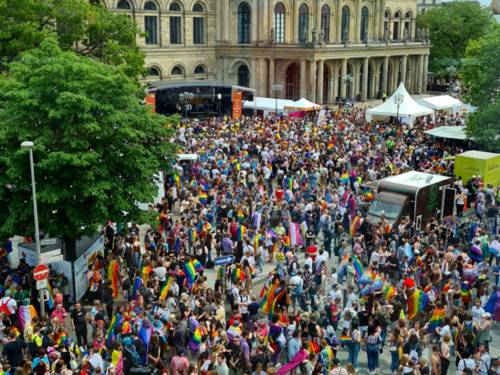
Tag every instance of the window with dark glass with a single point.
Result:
(243, 76)
(153, 72)
(150, 6)
(325, 22)
(364, 24)
(244, 23)
(177, 71)
(200, 69)
(151, 29)
(408, 24)
(395, 26)
(198, 25)
(123, 4)
(346, 13)
(279, 23)
(303, 23)
(175, 25)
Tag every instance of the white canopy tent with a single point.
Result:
(409, 109)
(267, 104)
(303, 105)
(448, 132)
(442, 103)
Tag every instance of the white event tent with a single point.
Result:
(442, 103)
(303, 105)
(409, 109)
(267, 104)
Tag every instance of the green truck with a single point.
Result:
(478, 163)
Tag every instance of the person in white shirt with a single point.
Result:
(484, 360)
(466, 363)
(477, 312)
(243, 301)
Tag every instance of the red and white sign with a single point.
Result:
(41, 272)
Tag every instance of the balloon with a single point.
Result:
(279, 194)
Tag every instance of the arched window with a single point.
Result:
(364, 24)
(123, 4)
(408, 25)
(199, 69)
(346, 14)
(151, 23)
(198, 24)
(243, 76)
(303, 23)
(244, 15)
(153, 72)
(150, 6)
(279, 23)
(177, 71)
(325, 22)
(387, 19)
(175, 24)
(396, 25)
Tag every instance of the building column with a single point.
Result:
(404, 63)
(385, 72)
(381, 20)
(254, 73)
(343, 73)
(271, 76)
(355, 80)
(319, 86)
(303, 79)
(312, 79)
(227, 23)
(364, 85)
(424, 78)
(338, 22)
(374, 87)
(263, 81)
(419, 73)
(262, 25)
(294, 23)
(374, 24)
(335, 84)
(331, 87)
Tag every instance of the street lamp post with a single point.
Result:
(276, 89)
(185, 98)
(451, 72)
(347, 79)
(29, 146)
(399, 100)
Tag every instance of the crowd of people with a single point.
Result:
(309, 284)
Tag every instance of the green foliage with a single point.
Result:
(451, 27)
(480, 75)
(87, 29)
(96, 147)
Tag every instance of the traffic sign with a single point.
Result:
(42, 284)
(41, 272)
(48, 241)
(222, 261)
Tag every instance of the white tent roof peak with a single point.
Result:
(407, 108)
(303, 104)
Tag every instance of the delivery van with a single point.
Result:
(415, 194)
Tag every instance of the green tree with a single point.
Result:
(480, 74)
(88, 29)
(451, 27)
(97, 148)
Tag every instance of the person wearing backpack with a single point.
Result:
(297, 288)
(484, 360)
(8, 305)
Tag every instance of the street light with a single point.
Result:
(29, 145)
(347, 79)
(185, 98)
(451, 72)
(276, 89)
(399, 98)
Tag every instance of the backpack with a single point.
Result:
(297, 291)
(4, 307)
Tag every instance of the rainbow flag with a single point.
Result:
(275, 247)
(263, 291)
(144, 335)
(345, 339)
(256, 241)
(60, 338)
(437, 318)
(177, 245)
(313, 347)
(165, 288)
(344, 178)
(113, 276)
(277, 296)
(110, 334)
(190, 272)
(195, 339)
(146, 270)
(286, 243)
(356, 223)
(239, 214)
(193, 235)
(388, 291)
(50, 300)
(136, 287)
(203, 197)
(177, 180)
(465, 293)
(416, 303)
(126, 328)
(241, 232)
(197, 265)
(237, 274)
(268, 298)
(289, 183)
(358, 267)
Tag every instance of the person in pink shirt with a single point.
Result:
(59, 312)
(180, 363)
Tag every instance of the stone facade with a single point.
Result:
(318, 49)
(425, 5)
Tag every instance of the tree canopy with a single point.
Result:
(480, 74)
(96, 147)
(451, 27)
(88, 29)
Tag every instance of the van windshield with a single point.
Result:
(391, 211)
